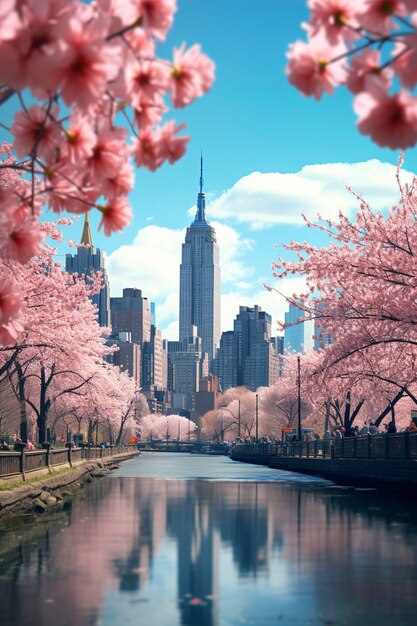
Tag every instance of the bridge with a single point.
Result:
(193, 447)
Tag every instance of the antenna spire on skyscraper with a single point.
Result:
(201, 173)
(200, 215)
(86, 234)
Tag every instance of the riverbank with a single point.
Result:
(398, 475)
(52, 490)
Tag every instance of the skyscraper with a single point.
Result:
(200, 280)
(87, 261)
(131, 313)
(246, 355)
(298, 337)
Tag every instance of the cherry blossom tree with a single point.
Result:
(166, 427)
(361, 292)
(370, 47)
(92, 95)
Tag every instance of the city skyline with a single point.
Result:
(270, 155)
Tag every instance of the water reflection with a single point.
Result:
(138, 550)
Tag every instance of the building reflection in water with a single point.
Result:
(109, 548)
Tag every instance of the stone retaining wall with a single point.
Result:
(52, 492)
(382, 473)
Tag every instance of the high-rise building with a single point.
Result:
(152, 361)
(131, 313)
(225, 365)
(184, 363)
(300, 336)
(200, 280)
(247, 355)
(127, 357)
(88, 260)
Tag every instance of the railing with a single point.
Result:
(20, 463)
(382, 446)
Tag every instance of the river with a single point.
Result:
(177, 539)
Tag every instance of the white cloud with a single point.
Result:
(266, 199)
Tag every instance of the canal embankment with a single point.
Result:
(51, 488)
(392, 474)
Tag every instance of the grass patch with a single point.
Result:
(7, 484)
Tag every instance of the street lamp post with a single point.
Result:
(299, 397)
(221, 425)
(257, 418)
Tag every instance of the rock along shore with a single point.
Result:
(50, 493)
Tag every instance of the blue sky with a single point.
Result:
(252, 121)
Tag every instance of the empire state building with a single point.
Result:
(200, 280)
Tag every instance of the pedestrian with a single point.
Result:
(391, 428)
(364, 430)
(373, 429)
(413, 426)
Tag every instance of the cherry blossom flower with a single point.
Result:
(309, 68)
(10, 300)
(149, 113)
(116, 215)
(363, 66)
(390, 120)
(192, 75)
(157, 16)
(173, 147)
(120, 183)
(81, 138)
(9, 20)
(34, 130)
(109, 152)
(10, 332)
(146, 80)
(88, 63)
(24, 242)
(330, 18)
(147, 150)
(377, 15)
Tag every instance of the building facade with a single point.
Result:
(131, 313)
(184, 367)
(88, 260)
(200, 281)
(299, 337)
(247, 355)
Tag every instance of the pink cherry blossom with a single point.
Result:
(363, 66)
(146, 80)
(391, 121)
(88, 62)
(116, 215)
(81, 138)
(192, 75)
(121, 183)
(10, 300)
(9, 20)
(309, 68)
(24, 242)
(147, 150)
(109, 152)
(149, 113)
(173, 147)
(377, 15)
(35, 131)
(10, 332)
(330, 17)
(157, 16)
